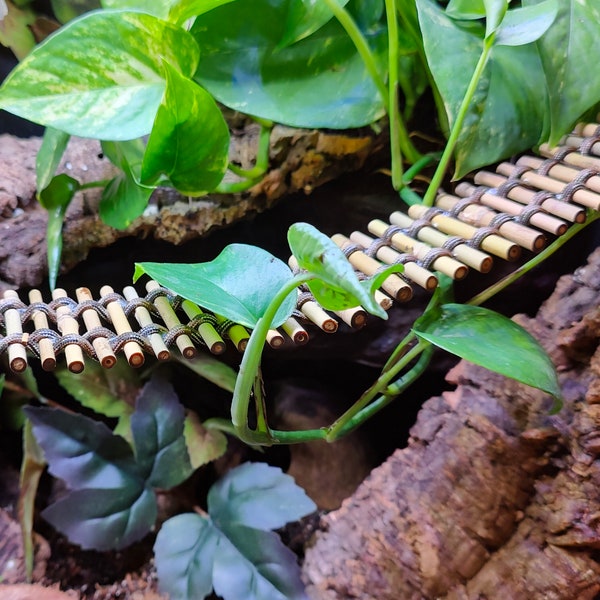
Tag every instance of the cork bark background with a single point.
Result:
(493, 497)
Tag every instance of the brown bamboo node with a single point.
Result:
(514, 208)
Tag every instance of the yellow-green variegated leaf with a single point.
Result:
(100, 76)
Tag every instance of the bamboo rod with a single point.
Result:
(395, 286)
(542, 220)
(562, 210)
(444, 264)
(17, 353)
(209, 334)
(583, 161)
(295, 331)
(133, 351)
(353, 317)
(586, 129)
(68, 325)
(472, 257)
(167, 314)
(558, 176)
(144, 318)
(315, 313)
(577, 140)
(389, 256)
(237, 334)
(275, 339)
(105, 354)
(480, 215)
(40, 321)
(493, 243)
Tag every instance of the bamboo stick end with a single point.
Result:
(461, 272)
(163, 355)
(485, 266)
(49, 364)
(76, 366)
(276, 341)
(329, 326)
(189, 352)
(18, 365)
(242, 344)
(300, 338)
(136, 359)
(108, 362)
(218, 348)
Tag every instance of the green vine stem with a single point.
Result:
(463, 110)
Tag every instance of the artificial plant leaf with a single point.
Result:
(525, 25)
(211, 369)
(184, 554)
(203, 445)
(108, 392)
(337, 286)
(100, 76)
(104, 519)
(320, 81)
(510, 100)
(33, 465)
(493, 341)
(303, 18)
(124, 198)
(49, 156)
(257, 495)
(83, 452)
(157, 428)
(256, 565)
(186, 115)
(239, 284)
(571, 89)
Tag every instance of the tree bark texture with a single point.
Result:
(300, 160)
(493, 497)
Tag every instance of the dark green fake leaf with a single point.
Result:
(81, 451)
(104, 519)
(490, 340)
(124, 199)
(510, 100)
(157, 428)
(109, 392)
(239, 284)
(100, 76)
(571, 89)
(320, 81)
(259, 496)
(337, 286)
(203, 445)
(189, 143)
(194, 553)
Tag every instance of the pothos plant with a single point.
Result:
(143, 78)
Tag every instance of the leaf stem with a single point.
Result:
(463, 110)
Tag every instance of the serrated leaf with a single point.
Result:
(571, 89)
(256, 565)
(104, 519)
(107, 392)
(337, 286)
(490, 340)
(257, 495)
(184, 555)
(81, 451)
(239, 284)
(187, 114)
(157, 428)
(525, 25)
(203, 445)
(99, 76)
(320, 81)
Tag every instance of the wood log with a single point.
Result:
(492, 497)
